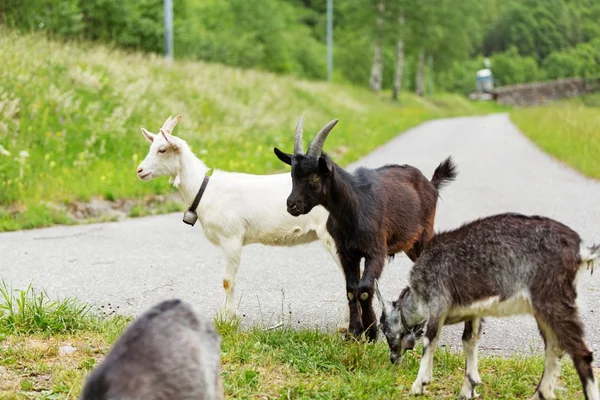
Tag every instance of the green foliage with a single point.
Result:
(27, 312)
(582, 60)
(510, 68)
(128, 24)
(59, 17)
(289, 36)
(569, 130)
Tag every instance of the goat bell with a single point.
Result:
(190, 217)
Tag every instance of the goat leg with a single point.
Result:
(232, 249)
(469, 339)
(564, 321)
(373, 269)
(430, 339)
(547, 385)
(352, 275)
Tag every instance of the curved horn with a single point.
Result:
(170, 123)
(316, 146)
(298, 146)
(384, 306)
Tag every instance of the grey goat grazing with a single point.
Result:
(501, 265)
(169, 352)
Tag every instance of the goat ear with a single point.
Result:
(324, 166)
(285, 157)
(149, 136)
(166, 136)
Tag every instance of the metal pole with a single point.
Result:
(169, 29)
(329, 38)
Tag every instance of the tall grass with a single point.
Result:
(568, 130)
(256, 362)
(27, 312)
(70, 118)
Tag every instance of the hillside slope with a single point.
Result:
(70, 118)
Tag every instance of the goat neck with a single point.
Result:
(191, 174)
(343, 202)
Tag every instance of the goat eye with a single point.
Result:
(315, 178)
(162, 150)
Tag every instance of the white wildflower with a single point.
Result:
(23, 154)
(3, 151)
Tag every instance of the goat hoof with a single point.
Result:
(538, 396)
(417, 388)
(474, 379)
(469, 396)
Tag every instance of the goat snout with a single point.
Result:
(143, 174)
(394, 358)
(293, 208)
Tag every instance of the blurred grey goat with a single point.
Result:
(168, 353)
(502, 265)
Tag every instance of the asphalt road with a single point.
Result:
(128, 266)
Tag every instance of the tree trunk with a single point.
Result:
(421, 74)
(377, 69)
(399, 60)
(430, 75)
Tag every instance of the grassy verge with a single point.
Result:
(70, 118)
(256, 363)
(568, 130)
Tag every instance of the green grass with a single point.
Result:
(256, 363)
(568, 130)
(70, 118)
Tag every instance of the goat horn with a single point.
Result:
(298, 146)
(381, 300)
(170, 123)
(316, 146)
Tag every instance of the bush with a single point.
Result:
(258, 34)
(582, 61)
(511, 68)
(460, 77)
(63, 17)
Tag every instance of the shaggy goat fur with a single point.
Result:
(498, 266)
(169, 352)
(374, 214)
(236, 209)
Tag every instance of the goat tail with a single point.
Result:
(445, 172)
(589, 256)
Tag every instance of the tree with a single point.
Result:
(399, 59)
(376, 79)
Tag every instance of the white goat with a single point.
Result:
(236, 209)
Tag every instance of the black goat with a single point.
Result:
(502, 265)
(169, 352)
(374, 214)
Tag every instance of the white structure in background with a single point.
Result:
(484, 82)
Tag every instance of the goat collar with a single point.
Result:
(189, 216)
(415, 330)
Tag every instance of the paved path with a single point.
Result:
(135, 263)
